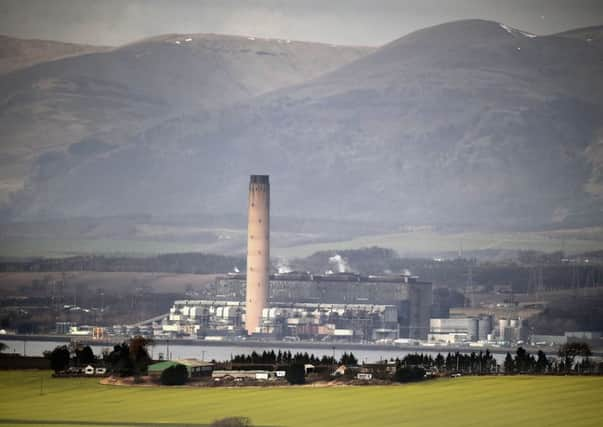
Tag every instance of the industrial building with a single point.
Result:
(299, 305)
(456, 330)
(511, 330)
(329, 322)
(463, 329)
(338, 306)
(410, 296)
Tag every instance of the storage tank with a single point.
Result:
(473, 328)
(485, 328)
(502, 325)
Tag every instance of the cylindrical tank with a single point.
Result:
(502, 325)
(485, 328)
(258, 250)
(473, 328)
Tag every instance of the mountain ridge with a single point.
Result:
(469, 122)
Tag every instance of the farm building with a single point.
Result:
(250, 375)
(195, 368)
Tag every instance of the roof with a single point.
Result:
(192, 363)
(161, 366)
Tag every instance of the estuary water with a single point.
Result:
(221, 352)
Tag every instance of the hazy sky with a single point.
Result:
(114, 22)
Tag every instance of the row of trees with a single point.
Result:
(473, 363)
(286, 357)
(524, 362)
(62, 357)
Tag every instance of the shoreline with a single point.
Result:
(283, 344)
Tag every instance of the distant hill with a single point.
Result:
(109, 98)
(16, 54)
(470, 122)
(592, 35)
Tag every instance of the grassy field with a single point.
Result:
(485, 401)
(109, 281)
(432, 243)
(410, 243)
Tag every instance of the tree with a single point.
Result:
(84, 356)
(439, 361)
(569, 351)
(296, 373)
(523, 360)
(139, 355)
(59, 358)
(509, 364)
(174, 375)
(348, 359)
(542, 362)
(119, 360)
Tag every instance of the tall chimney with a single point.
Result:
(258, 250)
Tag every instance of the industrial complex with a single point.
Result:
(331, 307)
(301, 305)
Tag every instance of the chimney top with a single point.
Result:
(258, 179)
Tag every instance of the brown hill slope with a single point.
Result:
(107, 98)
(16, 54)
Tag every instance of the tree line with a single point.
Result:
(130, 358)
(286, 357)
(573, 357)
(195, 263)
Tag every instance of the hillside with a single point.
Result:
(470, 122)
(16, 54)
(591, 35)
(92, 103)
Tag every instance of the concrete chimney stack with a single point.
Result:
(258, 250)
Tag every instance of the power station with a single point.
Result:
(258, 250)
(364, 307)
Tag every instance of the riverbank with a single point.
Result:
(325, 347)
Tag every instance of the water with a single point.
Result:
(207, 351)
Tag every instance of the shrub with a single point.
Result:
(232, 422)
(296, 373)
(174, 375)
(407, 375)
(59, 358)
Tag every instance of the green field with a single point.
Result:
(410, 243)
(468, 401)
